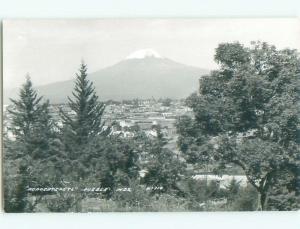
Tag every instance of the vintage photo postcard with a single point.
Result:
(151, 115)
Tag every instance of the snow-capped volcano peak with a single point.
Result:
(143, 53)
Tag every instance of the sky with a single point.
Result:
(51, 50)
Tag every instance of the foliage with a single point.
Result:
(34, 146)
(201, 195)
(31, 123)
(246, 113)
(81, 125)
(164, 169)
(246, 199)
(112, 161)
(232, 190)
(166, 102)
(87, 119)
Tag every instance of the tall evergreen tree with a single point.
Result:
(31, 123)
(26, 154)
(85, 120)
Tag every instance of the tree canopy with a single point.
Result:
(247, 113)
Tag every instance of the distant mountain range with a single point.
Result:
(143, 74)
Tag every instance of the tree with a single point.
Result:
(27, 154)
(32, 126)
(15, 193)
(167, 102)
(247, 114)
(232, 189)
(85, 119)
(112, 162)
(31, 123)
(82, 124)
(164, 168)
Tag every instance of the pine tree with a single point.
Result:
(32, 126)
(15, 195)
(31, 122)
(86, 122)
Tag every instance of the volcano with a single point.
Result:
(144, 74)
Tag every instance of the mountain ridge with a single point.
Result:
(144, 78)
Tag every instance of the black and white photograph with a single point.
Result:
(151, 115)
